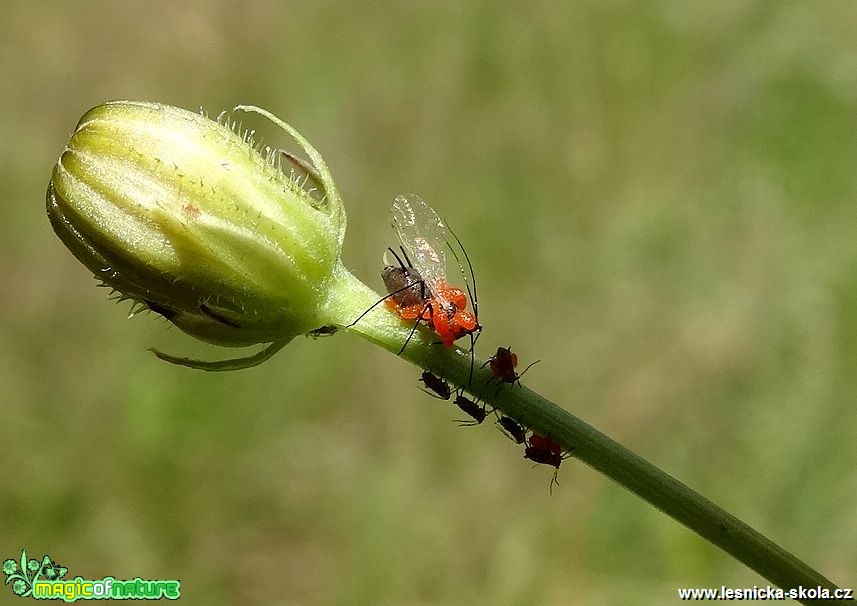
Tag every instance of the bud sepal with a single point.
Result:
(188, 217)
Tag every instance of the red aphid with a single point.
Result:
(544, 443)
(545, 451)
(503, 364)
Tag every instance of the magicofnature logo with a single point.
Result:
(44, 581)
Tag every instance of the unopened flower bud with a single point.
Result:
(185, 215)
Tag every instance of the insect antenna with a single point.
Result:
(381, 300)
(398, 259)
(422, 283)
(554, 480)
(529, 366)
(474, 300)
(435, 386)
(405, 255)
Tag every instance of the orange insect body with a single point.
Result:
(446, 315)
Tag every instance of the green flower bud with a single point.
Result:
(186, 216)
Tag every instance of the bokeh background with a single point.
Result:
(660, 202)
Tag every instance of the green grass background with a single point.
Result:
(660, 202)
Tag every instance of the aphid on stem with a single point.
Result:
(418, 290)
(435, 386)
(405, 286)
(546, 451)
(513, 430)
(424, 235)
(503, 363)
(472, 408)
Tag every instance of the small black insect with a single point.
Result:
(436, 386)
(512, 429)
(472, 409)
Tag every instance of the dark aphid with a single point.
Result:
(513, 429)
(404, 284)
(436, 386)
(503, 363)
(471, 408)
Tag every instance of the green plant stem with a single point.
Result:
(596, 450)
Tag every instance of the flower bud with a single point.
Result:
(186, 216)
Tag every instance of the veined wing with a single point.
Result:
(423, 235)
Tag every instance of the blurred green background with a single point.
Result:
(660, 203)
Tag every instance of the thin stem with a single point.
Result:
(605, 455)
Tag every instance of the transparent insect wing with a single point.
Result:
(423, 235)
